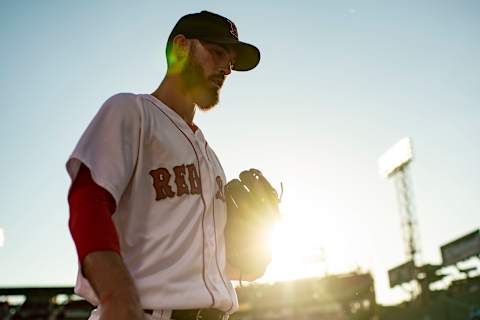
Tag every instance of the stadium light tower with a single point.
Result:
(395, 164)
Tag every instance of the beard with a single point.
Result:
(200, 86)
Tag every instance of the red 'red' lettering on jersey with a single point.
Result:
(193, 178)
(161, 180)
(182, 187)
(163, 186)
(220, 191)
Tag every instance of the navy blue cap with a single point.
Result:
(214, 28)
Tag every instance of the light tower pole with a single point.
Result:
(395, 164)
(406, 209)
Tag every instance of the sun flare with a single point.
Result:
(305, 245)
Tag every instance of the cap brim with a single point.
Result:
(248, 56)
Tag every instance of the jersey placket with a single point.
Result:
(209, 232)
(220, 279)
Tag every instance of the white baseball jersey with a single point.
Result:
(171, 212)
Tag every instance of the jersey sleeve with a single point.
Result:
(110, 144)
(90, 221)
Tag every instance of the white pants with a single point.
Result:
(156, 315)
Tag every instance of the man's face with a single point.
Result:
(205, 71)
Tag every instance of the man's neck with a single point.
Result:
(171, 93)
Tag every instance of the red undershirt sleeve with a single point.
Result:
(91, 209)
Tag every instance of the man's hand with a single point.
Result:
(114, 286)
(120, 308)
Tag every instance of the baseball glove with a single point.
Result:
(252, 210)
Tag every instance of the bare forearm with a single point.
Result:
(234, 273)
(113, 284)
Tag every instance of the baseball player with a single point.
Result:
(147, 200)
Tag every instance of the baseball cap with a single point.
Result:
(211, 27)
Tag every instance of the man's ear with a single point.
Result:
(181, 47)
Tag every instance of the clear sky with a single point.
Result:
(339, 83)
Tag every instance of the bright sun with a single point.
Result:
(296, 251)
(305, 245)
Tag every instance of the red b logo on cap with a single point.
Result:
(233, 29)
